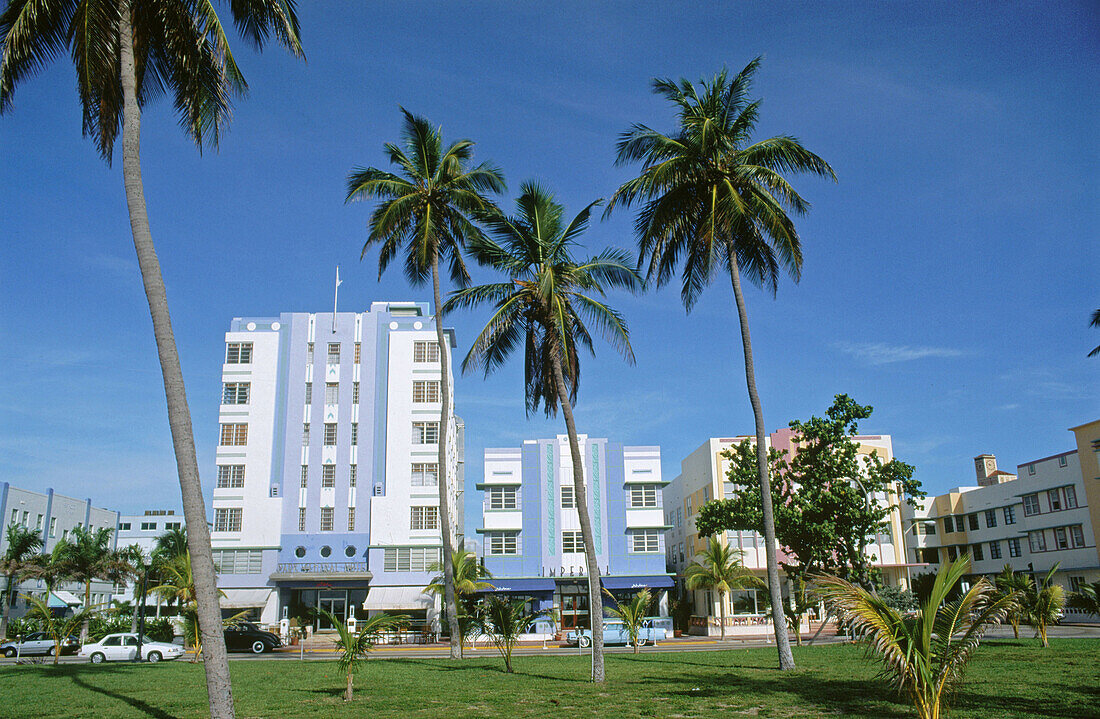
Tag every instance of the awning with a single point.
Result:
(397, 598)
(244, 598)
(658, 581)
(60, 598)
(535, 584)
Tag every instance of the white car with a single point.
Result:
(124, 647)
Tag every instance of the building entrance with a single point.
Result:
(573, 600)
(335, 602)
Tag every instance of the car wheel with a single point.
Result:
(50, 651)
(258, 647)
(585, 641)
(98, 658)
(154, 657)
(9, 652)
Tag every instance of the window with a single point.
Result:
(148, 526)
(425, 474)
(1075, 583)
(309, 393)
(1031, 504)
(355, 393)
(302, 521)
(503, 543)
(1071, 497)
(230, 476)
(358, 352)
(1061, 539)
(568, 497)
(172, 525)
(27, 515)
(1010, 515)
(305, 434)
(994, 550)
(354, 433)
(227, 520)
(330, 434)
(238, 561)
(328, 475)
(425, 351)
(334, 353)
(234, 435)
(425, 433)
(1054, 500)
(1036, 541)
(1078, 535)
(238, 353)
(645, 540)
(1031, 470)
(409, 559)
(1014, 548)
(305, 476)
(973, 520)
(679, 517)
(353, 475)
(977, 550)
(952, 553)
(503, 498)
(332, 393)
(1062, 462)
(235, 393)
(425, 390)
(947, 524)
(53, 526)
(38, 524)
(990, 518)
(327, 518)
(309, 353)
(15, 516)
(571, 542)
(351, 520)
(643, 495)
(424, 518)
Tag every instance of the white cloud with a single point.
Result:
(881, 353)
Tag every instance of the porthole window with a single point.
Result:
(300, 552)
(326, 551)
(349, 551)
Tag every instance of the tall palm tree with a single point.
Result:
(127, 53)
(426, 209)
(87, 556)
(178, 585)
(170, 545)
(717, 203)
(23, 545)
(1009, 582)
(541, 307)
(924, 655)
(718, 568)
(1095, 322)
(1042, 604)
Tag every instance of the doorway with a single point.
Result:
(335, 602)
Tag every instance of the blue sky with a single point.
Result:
(948, 278)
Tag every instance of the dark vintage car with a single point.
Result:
(247, 637)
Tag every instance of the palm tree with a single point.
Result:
(24, 544)
(353, 646)
(127, 53)
(87, 556)
(503, 620)
(178, 584)
(469, 579)
(171, 544)
(1095, 322)
(632, 613)
(1011, 582)
(541, 307)
(1043, 603)
(718, 568)
(924, 655)
(1086, 598)
(56, 628)
(717, 203)
(427, 208)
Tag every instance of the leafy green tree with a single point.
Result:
(1011, 582)
(503, 621)
(128, 53)
(716, 202)
(427, 208)
(23, 545)
(718, 568)
(57, 628)
(542, 306)
(87, 556)
(1042, 604)
(923, 656)
(632, 613)
(1086, 599)
(354, 646)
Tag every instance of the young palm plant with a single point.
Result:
(55, 627)
(717, 202)
(178, 585)
(924, 656)
(88, 556)
(426, 208)
(128, 53)
(503, 621)
(23, 545)
(1042, 604)
(354, 646)
(469, 579)
(718, 568)
(1086, 598)
(542, 306)
(632, 613)
(1009, 582)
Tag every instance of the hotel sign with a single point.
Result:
(320, 567)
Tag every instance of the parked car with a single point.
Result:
(124, 647)
(614, 632)
(247, 637)
(39, 643)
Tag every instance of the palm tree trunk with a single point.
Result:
(348, 693)
(450, 603)
(87, 605)
(7, 601)
(595, 601)
(218, 685)
(779, 618)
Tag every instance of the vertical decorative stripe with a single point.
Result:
(551, 534)
(597, 524)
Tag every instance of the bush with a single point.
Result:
(159, 630)
(101, 625)
(901, 600)
(20, 627)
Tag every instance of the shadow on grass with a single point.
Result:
(492, 668)
(663, 658)
(136, 703)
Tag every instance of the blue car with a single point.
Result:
(614, 632)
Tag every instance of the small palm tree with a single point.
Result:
(87, 556)
(427, 208)
(354, 646)
(503, 621)
(719, 569)
(1086, 598)
(56, 628)
(24, 544)
(1010, 582)
(178, 585)
(1043, 603)
(469, 579)
(717, 202)
(632, 613)
(542, 306)
(924, 656)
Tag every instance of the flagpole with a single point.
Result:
(335, 296)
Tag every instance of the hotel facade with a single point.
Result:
(326, 495)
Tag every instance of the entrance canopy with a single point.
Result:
(657, 581)
(397, 598)
(244, 598)
(60, 598)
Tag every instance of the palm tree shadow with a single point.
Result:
(132, 701)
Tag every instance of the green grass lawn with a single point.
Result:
(1007, 679)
